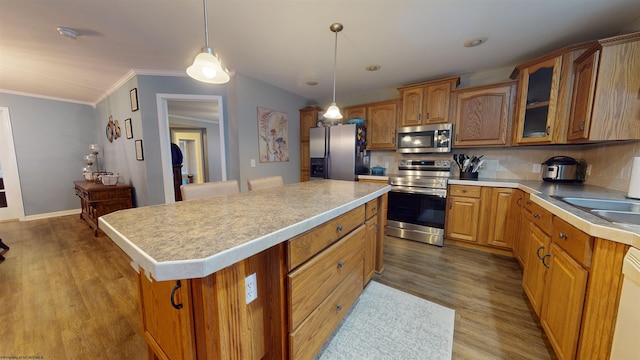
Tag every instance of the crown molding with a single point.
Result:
(6, 91)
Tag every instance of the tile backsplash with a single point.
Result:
(610, 163)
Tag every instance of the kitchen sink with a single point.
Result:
(625, 217)
(604, 204)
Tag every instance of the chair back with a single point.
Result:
(265, 183)
(209, 189)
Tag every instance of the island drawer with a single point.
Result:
(575, 242)
(371, 208)
(309, 337)
(303, 247)
(312, 282)
(465, 191)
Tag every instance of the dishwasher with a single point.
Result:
(625, 336)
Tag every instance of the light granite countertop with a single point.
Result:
(543, 192)
(193, 239)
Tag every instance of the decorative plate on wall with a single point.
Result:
(110, 129)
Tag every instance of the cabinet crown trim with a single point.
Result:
(455, 79)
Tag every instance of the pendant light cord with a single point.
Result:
(206, 24)
(335, 61)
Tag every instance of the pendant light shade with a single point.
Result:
(207, 66)
(333, 112)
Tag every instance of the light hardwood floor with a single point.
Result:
(65, 294)
(493, 316)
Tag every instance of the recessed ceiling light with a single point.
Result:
(311, 83)
(68, 33)
(476, 41)
(372, 67)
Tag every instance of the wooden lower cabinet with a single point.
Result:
(463, 213)
(537, 263)
(501, 221)
(564, 292)
(97, 199)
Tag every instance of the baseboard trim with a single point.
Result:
(51, 215)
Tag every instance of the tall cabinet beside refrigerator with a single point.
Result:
(338, 152)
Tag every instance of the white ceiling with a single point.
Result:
(286, 43)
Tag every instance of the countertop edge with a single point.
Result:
(612, 232)
(198, 268)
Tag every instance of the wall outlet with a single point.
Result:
(536, 168)
(588, 171)
(253, 162)
(251, 288)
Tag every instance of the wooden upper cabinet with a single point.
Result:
(543, 99)
(357, 112)
(381, 125)
(483, 114)
(427, 103)
(308, 119)
(606, 94)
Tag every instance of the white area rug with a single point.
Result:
(386, 323)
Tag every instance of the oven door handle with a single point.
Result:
(418, 190)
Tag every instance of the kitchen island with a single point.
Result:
(304, 252)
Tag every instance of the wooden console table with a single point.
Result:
(98, 199)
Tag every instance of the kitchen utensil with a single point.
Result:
(378, 170)
(476, 167)
(562, 168)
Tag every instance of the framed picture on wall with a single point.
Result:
(133, 94)
(128, 129)
(139, 151)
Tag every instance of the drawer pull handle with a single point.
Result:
(519, 202)
(581, 124)
(538, 252)
(464, 191)
(339, 227)
(374, 208)
(173, 295)
(339, 307)
(537, 216)
(543, 262)
(563, 236)
(529, 202)
(340, 265)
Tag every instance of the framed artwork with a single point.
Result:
(273, 135)
(127, 128)
(139, 151)
(133, 94)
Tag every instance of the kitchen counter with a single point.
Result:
(193, 239)
(542, 192)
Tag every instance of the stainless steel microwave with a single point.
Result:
(425, 139)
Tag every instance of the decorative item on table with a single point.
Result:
(109, 179)
(468, 166)
(90, 160)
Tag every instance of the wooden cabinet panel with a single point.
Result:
(515, 222)
(465, 191)
(605, 103)
(427, 103)
(370, 248)
(412, 107)
(97, 199)
(483, 115)
(303, 247)
(167, 330)
(437, 101)
(381, 125)
(499, 220)
(536, 264)
(576, 243)
(564, 293)
(462, 218)
(371, 208)
(308, 119)
(312, 282)
(357, 112)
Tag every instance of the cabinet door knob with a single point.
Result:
(173, 295)
(563, 236)
(339, 307)
(581, 124)
(340, 265)
(536, 215)
(339, 227)
(464, 191)
(529, 202)
(374, 208)
(548, 129)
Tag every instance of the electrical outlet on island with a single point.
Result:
(251, 288)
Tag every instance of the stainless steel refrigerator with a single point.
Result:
(338, 152)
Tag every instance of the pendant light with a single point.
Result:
(207, 66)
(333, 112)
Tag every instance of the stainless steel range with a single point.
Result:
(417, 200)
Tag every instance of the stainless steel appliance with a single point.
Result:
(418, 200)
(425, 139)
(562, 168)
(338, 152)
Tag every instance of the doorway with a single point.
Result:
(11, 206)
(194, 151)
(195, 112)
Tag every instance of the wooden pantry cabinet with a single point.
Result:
(427, 102)
(308, 119)
(483, 115)
(606, 93)
(543, 99)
